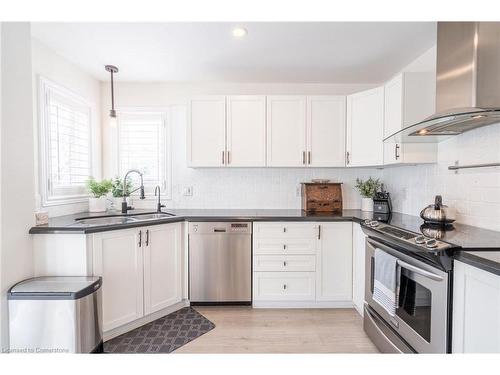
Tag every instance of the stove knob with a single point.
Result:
(374, 223)
(431, 244)
(420, 240)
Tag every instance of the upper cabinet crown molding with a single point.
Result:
(365, 128)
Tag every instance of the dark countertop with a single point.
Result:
(485, 260)
(470, 239)
(66, 224)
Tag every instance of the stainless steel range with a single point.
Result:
(422, 319)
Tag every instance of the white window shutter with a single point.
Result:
(142, 146)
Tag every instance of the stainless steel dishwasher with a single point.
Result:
(220, 262)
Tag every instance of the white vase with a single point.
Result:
(97, 204)
(366, 204)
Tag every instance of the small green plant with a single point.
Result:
(368, 188)
(117, 188)
(98, 189)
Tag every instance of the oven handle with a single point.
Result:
(420, 271)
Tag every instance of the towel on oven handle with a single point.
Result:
(385, 287)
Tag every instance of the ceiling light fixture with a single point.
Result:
(112, 113)
(239, 32)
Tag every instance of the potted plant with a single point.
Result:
(367, 189)
(117, 192)
(98, 191)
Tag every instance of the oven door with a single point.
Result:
(422, 308)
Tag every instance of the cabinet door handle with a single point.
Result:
(303, 157)
(223, 157)
(284, 263)
(319, 232)
(147, 237)
(228, 158)
(284, 247)
(347, 157)
(396, 153)
(309, 157)
(140, 238)
(284, 286)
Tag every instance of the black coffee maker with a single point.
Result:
(382, 202)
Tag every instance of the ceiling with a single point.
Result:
(301, 52)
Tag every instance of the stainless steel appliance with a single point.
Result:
(220, 268)
(56, 314)
(467, 81)
(422, 320)
(438, 213)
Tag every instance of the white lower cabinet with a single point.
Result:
(358, 267)
(162, 267)
(302, 264)
(334, 262)
(141, 271)
(284, 286)
(118, 259)
(476, 310)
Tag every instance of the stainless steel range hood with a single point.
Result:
(467, 85)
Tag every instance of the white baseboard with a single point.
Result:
(108, 335)
(302, 304)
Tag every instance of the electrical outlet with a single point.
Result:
(188, 191)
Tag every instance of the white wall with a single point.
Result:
(221, 187)
(17, 178)
(48, 64)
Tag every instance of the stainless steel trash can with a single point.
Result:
(56, 315)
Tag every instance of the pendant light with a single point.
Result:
(112, 113)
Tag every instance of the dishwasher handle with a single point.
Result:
(219, 230)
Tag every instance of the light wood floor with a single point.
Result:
(246, 330)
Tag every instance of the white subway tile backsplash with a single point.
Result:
(474, 193)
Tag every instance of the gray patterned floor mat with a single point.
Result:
(163, 335)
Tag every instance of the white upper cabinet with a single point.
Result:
(207, 131)
(365, 128)
(409, 98)
(246, 131)
(286, 131)
(326, 117)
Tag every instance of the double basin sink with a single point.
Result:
(121, 219)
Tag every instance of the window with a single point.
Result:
(65, 145)
(142, 145)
